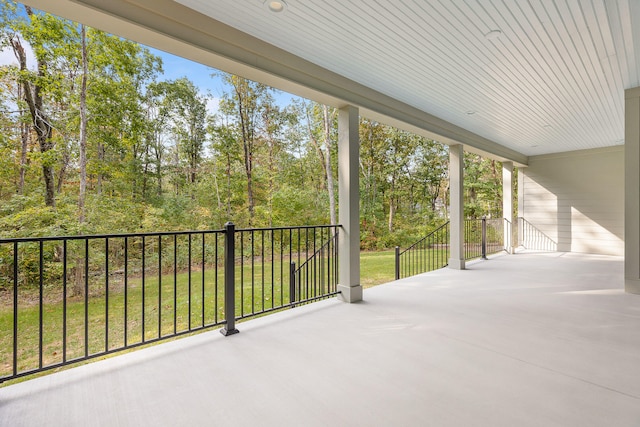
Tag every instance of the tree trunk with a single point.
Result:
(24, 135)
(83, 127)
(392, 211)
(66, 158)
(328, 169)
(41, 124)
(247, 145)
(101, 160)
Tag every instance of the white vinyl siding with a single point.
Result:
(577, 199)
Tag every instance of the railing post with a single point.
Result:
(484, 238)
(292, 282)
(229, 280)
(397, 262)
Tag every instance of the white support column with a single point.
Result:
(456, 210)
(507, 205)
(519, 226)
(349, 205)
(632, 191)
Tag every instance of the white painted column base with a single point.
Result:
(456, 264)
(350, 293)
(632, 286)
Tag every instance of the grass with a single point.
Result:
(168, 308)
(377, 268)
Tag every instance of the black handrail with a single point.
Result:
(319, 271)
(427, 254)
(482, 237)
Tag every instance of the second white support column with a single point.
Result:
(349, 205)
(507, 206)
(456, 210)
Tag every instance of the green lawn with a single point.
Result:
(377, 268)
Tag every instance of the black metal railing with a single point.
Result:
(317, 276)
(68, 299)
(530, 237)
(427, 254)
(482, 237)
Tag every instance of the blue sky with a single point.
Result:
(174, 68)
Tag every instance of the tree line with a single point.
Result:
(94, 139)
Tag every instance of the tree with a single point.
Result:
(49, 38)
(322, 133)
(83, 126)
(245, 103)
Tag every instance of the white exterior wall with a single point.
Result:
(577, 199)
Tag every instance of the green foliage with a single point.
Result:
(157, 160)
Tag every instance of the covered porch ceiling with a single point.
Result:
(507, 78)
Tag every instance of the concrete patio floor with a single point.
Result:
(523, 340)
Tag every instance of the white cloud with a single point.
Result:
(7, 57)
(213, 105)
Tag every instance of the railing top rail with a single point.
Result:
(425, 237)
(105, 236)
(152, 234)
(290, 227)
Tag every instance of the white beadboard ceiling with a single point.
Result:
(552, 81)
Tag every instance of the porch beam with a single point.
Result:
(456, 210)
(632, 191)
(349, 205)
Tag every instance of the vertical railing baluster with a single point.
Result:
(292, 283)
(189, 284)
(215, 280)
(143, 288)
(397, 265)
(159, 285)
(126, 291)
(262, 254)
(290, 258)
(15, 308)
(273, 268)
(203, 280)
(86, 297)
(64, 300)
(484, 239)
(175, 283)
(106, 294)
(241, 274)
(229, 280)
(40, 301)
(253, 273)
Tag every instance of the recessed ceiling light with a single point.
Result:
(470, 113)
(493, 34)
(276, 6)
